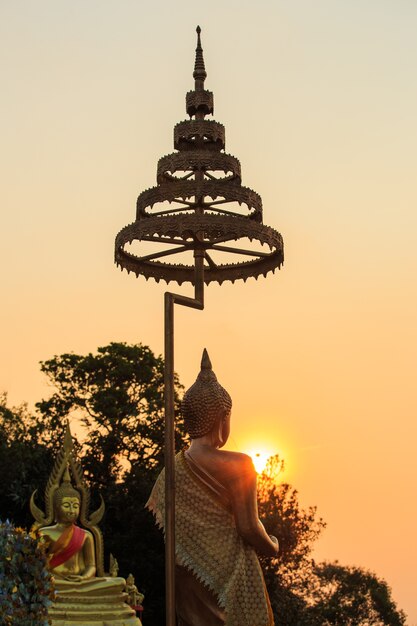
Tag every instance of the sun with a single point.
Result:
(260, 459)
(261, 453)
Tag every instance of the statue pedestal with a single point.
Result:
(97, 602)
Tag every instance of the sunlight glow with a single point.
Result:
(261, 454)
(260, 458)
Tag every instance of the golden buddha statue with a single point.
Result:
(217, 530)
(84, 594)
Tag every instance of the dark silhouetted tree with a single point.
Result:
(302, 592)
(116, 395)
(352, 596)
(25, 463)
(296, 530)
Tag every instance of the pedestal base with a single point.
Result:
(98, 602)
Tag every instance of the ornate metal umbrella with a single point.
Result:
(199, 212)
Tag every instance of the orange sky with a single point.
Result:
(319, 103)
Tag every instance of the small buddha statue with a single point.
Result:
(84, 594)
(218, 577)
(135, 597)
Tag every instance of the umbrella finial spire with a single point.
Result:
(199, 73)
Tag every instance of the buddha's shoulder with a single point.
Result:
(238, 462)
(50, 531)
(237, 457)
(43, 528)
(47, 530)
(88, 535)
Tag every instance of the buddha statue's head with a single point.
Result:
(206, 405)
(67, 501)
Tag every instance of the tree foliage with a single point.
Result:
(352, 596)
(25, 463)
(117, 396)
(296, 530)
(302, 592)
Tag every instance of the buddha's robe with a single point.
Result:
(219, 578)
(69, 542)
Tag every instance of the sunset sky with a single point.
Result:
(319, 101)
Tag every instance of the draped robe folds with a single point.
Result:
(219, 578)
(91, 602)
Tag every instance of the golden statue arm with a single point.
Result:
(89, 558)
(245, 510)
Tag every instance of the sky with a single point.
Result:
(319, 102)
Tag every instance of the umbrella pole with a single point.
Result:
(196, 303)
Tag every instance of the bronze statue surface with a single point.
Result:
(218, 532)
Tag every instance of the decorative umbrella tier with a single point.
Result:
(221, 192)
(200, 134)
(199, 101)
(197, 160)
(209, 233)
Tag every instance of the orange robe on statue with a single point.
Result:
(68, 543)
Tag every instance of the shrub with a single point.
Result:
(26, 588)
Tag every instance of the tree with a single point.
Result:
(117, 397)
(352, 596)
(296, 530)
(25, 463)
(302, 592)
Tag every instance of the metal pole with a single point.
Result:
(169, 463)
(196, 303)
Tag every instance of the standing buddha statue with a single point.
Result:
(217, 530)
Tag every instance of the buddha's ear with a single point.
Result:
(223, 430)
(226, 426)
(220, 434)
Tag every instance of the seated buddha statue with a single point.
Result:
(84, 594)
(217, 530)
